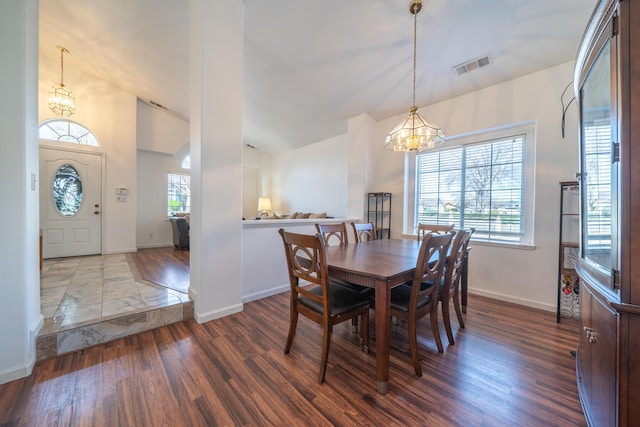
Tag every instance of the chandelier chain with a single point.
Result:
(414, 134)
(415, 20)
(62, 51)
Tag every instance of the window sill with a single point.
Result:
(518, 246)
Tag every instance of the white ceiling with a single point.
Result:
(311, 65)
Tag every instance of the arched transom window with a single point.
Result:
(186, 161)
(67, 131)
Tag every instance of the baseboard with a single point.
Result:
(514, 300)
(212, 315)
(264, 294)
(16, 373)
(24, 370)
(120, 251)
(154, 245)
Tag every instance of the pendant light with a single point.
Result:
(61, 100)
(414, 133)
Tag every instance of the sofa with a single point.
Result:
(180, 226)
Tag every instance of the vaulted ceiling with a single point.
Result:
(311, 65)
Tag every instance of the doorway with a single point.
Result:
(70, 202)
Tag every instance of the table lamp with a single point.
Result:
(264, 205)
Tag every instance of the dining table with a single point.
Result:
(381, 265)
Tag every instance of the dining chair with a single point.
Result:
(364, 231)
(433, 228)
(323, 302)
(414, 302)
(332, 232)
(450, 282)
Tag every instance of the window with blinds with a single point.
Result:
(478, 185)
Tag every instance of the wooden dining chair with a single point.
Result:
(332, 232)
(338, 232)
(450, 282)
(433, 228)
(364, 231)
(323, 302)
(414, 302)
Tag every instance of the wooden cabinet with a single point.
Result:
(596, 364)
(608, 94)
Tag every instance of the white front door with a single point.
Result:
(70, 203)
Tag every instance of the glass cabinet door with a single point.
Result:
(599, 157)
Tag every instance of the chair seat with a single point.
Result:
(363, 290)
(343, 300)
(401, 296)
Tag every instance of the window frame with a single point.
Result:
(526, 129)
(84, 138)
(183, 173)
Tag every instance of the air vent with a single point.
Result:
(472, 65)
(155, 104)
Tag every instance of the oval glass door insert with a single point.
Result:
(67, 190)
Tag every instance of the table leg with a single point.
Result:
(383, 335)
(464, 275)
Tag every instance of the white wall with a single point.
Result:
(162, 142)
(110, 114)
(312, 179)
(526, 277)
(153, 226)
(159, 130)
(20, 318)
(256, 180)
(216, 156)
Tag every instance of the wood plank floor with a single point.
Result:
(166, 266)
(509, 367)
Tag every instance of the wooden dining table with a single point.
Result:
(379, 264)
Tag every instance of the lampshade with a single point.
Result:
(414, 133)
(264, 205)
(61, 100)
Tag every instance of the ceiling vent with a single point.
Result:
(155, 104)
(474, 64)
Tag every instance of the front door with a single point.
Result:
(70, 203)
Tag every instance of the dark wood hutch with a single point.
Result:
(607, 86)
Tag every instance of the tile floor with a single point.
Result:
(86, 290)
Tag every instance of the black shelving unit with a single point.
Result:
(568, 280)
(379, 212)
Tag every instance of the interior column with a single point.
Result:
(216, 52)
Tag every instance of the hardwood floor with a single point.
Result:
(165, 266)
(510, 366)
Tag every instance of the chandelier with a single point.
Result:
(414, 133)
(61, 100)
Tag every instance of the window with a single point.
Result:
(179, 193)
(186, 161)
(67, 131)
(67, 190)
(480, 185)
